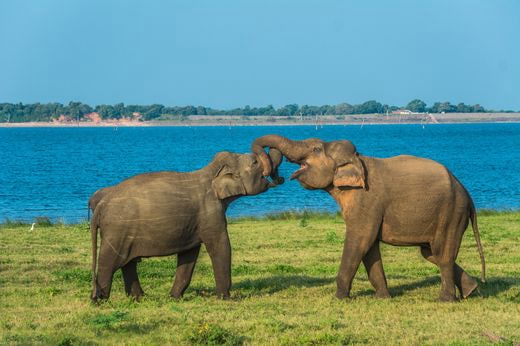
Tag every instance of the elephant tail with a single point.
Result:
(476, 233)
(94, 225)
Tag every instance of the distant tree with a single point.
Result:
(120, 111)
(478, 108)
(445, 107)
(105, 111)
(369, 107)
(154, 111)
(288, 110)
(325, 109)
(462, 108)
(344, 108)
(416, 105)
(201, 110)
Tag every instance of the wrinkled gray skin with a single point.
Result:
(165, 213)
(403, 201)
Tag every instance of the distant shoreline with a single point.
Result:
(235, 120)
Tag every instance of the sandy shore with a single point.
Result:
(234, 120)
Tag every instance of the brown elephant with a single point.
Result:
(165, 213)
(402, 200)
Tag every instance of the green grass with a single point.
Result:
(283, 291)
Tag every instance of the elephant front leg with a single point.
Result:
(354, 250)
(186, 261)
(219, 250)
(376, 274)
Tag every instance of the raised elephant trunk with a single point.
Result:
(293, 150)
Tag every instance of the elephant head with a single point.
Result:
(322, 164)
(243, 174)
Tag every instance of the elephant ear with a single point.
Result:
(351, 174)
(227, 184)
(350, 171)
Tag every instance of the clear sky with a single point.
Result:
(235, 53)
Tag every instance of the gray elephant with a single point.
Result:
(403, 201)
(165, 213)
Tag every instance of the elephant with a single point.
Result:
(166, 213)
(402, 201)
(96, 197)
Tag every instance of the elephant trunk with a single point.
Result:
(293, 150)
(276, 159)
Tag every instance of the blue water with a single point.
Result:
(53, 171)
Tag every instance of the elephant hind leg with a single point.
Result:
(465, 283)
(185, 264)
(108, 263)
(447, 281)
(132, 284)
(447, 270)
(376, 274)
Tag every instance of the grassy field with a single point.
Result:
(283, 291)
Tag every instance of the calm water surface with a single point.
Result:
(53, 171)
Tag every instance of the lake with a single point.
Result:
(53, 171)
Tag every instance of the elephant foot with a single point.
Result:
(383, 295)
(342, 294)
(176, 295)
(97, 296)
(136, 297)
(468, 285)
(136, 292)
(224, 296)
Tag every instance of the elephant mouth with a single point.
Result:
(303, 168)
(269, 183)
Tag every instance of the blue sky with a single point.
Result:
(235, 53)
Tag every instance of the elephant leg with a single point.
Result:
(465, 283)
(447, 281)
(446, 263)
(356, 246)
(108, 263)
(376, 274)
(219, 250)
(132, 285)
(185, 264)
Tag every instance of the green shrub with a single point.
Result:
(304, 221)
(212, 334)
(43, 221)
(332, 238)
(13, 223)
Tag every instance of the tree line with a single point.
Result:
(77, 111)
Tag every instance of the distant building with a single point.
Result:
(402, 112)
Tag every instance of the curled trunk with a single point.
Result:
(276, 159)
(293, 150)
